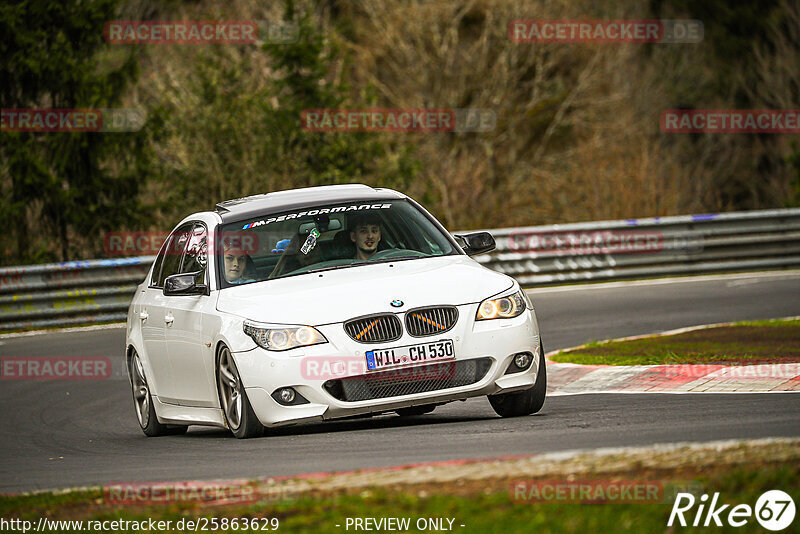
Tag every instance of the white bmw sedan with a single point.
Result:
(322, 303)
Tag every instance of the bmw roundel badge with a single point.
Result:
(397, 303)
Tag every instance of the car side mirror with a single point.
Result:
(184, 284)
(477, 242)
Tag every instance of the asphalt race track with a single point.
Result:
(57, 434)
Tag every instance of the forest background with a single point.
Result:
(577, 135)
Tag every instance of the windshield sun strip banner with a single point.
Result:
(321, 211)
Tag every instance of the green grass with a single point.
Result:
(771, 341)
(488, 509)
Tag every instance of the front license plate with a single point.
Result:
(410, 354)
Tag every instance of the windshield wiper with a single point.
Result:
(355, 263)
(399, 258)
(331, 268)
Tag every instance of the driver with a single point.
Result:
(366, 234)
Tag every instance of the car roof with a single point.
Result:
(255, 205)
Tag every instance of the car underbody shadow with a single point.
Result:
(376, 422)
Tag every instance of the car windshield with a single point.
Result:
(342, 235)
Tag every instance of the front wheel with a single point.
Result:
(523, 402)
(143, 403)
(239, 415)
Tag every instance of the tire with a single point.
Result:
(525, 402)
(239, 415)
(416, 410)
(143, 403)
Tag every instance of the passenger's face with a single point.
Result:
(234, 266)
(366, 237)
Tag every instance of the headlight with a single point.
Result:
(283, 338)
(501, 308)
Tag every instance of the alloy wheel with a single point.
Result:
(230, 388)
(141, 392)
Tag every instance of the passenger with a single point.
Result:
(236, 262)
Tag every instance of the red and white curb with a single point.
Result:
(568, 463)
(573, 379)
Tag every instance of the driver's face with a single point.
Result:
(234, 266)
(366, 237)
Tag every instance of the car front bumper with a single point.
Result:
(307, 369)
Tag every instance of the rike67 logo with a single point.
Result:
(774, 510)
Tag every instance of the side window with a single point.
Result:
(195, 258)
(176, 244)
(157, 265)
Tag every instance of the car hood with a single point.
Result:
(338, 295)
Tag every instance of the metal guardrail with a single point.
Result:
(96, 291)
(75, 292)
(646, 248)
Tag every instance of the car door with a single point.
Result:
(190, 344)
(152, 312)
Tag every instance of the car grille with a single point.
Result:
(430, 321)
(409, 380)
(375, 329)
